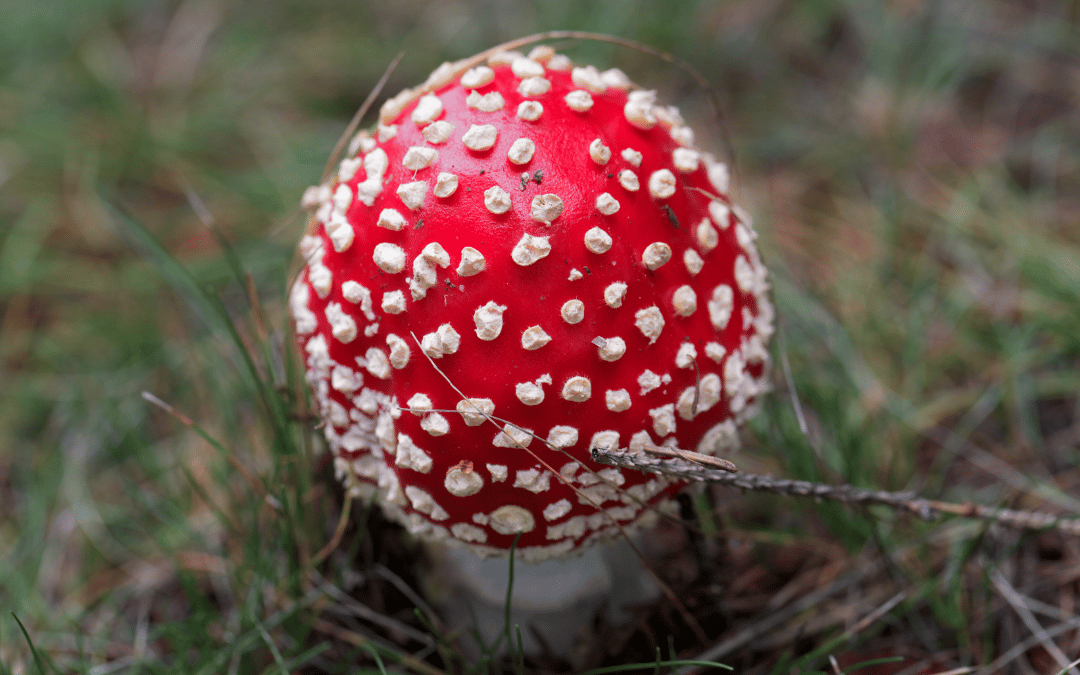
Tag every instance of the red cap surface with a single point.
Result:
(552, 241)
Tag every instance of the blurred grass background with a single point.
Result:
(913, 167)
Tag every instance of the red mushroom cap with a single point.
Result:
(551, 240)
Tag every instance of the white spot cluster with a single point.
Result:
(391, 219)
(524, 67)
(530, 111)
(513, 437)
(589, 79)
(511, 519)
(472, 262)
(480, 137)
(488, 103)
(533, 480)
(721, 305)
(744, 274)
(534, 338)
(530, 393)
(650, 322)
(445, 340)
(375, 165)
(614, 294)
(545, 208)
(412, 194)
(557, 510)
(720, 214)
(305, 319)
(530, 249)
(656, 255)
(562, 436)
(610, 349)
(463, 481)
(488, 320)
(599, 152)
(382, 456)
(321, 279)
(534, 86)
(685, 159)
(707, 237)
(393, 302)
(617, 400)
(663, 418)
(376, 363)
(446, 184)
(662, 184)
(424, 269)
(417, 158)
(399, 351)
(629, 180)
(597, 240)
(423, 502)
(497, 200)
(715, 351)
(606, 204)
(521, 151)
(616, 79)
(685, 357)
(693, 262)
(577, 389)
(390, 258)
(649, 381)
(477, 77)
(438, 133)
(435, 424)
(579, 101)
(684, 300)
(474, 410)
(572, 311)
(409, 456)
(639, 109)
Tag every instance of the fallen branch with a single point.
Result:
(683, 466)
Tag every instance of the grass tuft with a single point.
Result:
(167, 504)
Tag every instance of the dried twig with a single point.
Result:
(1016, 601)
(1020, 648)
(350, 606)
(692, 457)
(927, 509)
(358, 640)
(776, 618)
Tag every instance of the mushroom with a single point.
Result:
(525, 260)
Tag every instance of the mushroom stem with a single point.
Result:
(554, 602)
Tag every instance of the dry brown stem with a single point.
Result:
(927, 509)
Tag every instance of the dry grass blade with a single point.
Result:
(1020, 607)
(350, 606)
(358, 640)
(339, 531)
(335, 154)
(414, 597)
(778, 617)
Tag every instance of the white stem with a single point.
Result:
(558, 599)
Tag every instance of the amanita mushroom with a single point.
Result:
(524, 260)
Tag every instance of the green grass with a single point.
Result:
(912, 167)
